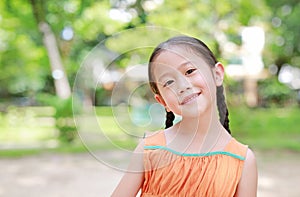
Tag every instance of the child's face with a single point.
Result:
(187, 84)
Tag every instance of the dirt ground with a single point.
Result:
(61, 175)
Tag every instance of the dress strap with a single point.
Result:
(155, 139)
(236, 147)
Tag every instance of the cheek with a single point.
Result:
(200, 81)
(169, 96)
(207, 84)
(206, 78)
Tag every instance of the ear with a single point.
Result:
(160, 100)
(219, 73)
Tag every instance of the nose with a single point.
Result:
(184, 89)
(183, 85)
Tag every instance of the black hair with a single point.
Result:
(199, 47)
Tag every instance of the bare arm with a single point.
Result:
(248, 184)
(132, 181)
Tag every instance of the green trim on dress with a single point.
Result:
(195, 154)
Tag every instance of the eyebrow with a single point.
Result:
(180, 65)
(185, 63)
(162, 76)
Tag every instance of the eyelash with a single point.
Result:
(188, 72)
(168, 83)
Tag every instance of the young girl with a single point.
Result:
(197, 156)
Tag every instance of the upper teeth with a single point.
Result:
(186, 101)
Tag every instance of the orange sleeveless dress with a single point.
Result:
(171, 173)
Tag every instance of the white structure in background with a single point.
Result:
(253, 40)
(290, 76)
(252, 67)
(137, 72)
(123, 11)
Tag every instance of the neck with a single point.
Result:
(201, 125)
(199, 134)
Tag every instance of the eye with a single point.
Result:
(169, 82)
(190, 71)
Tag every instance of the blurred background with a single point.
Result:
(73, 80)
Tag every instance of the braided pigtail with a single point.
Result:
(222, 107)
(169, 119)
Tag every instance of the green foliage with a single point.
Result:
(25, 70)
(272, 92)
(23, 64)
(95, 21)
(283, 41)
(234, 92)
(64, 115)
(104, 111)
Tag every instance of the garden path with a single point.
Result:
(60, 175)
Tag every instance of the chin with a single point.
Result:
(193, 113)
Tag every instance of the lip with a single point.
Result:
(189, 98)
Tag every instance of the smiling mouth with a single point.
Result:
(189, 98)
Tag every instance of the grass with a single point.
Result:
(64, 148)
(27, 124)
(267, 129)
(261, 128)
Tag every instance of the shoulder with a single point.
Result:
(250, 157)
(155, 138)
(140, 146)
(150, 138)
(237, 148)
(248, 182)
(250, 165)
(133, 179)
(246, 152)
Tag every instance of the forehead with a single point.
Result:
(176, 57)
(172, 55)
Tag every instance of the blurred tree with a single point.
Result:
(62, 86)
(78, 26)
(22, 70)
(24, 60)
(218, 23)
(283, 38)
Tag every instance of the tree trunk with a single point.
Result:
(62, 86)
(61, 83)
